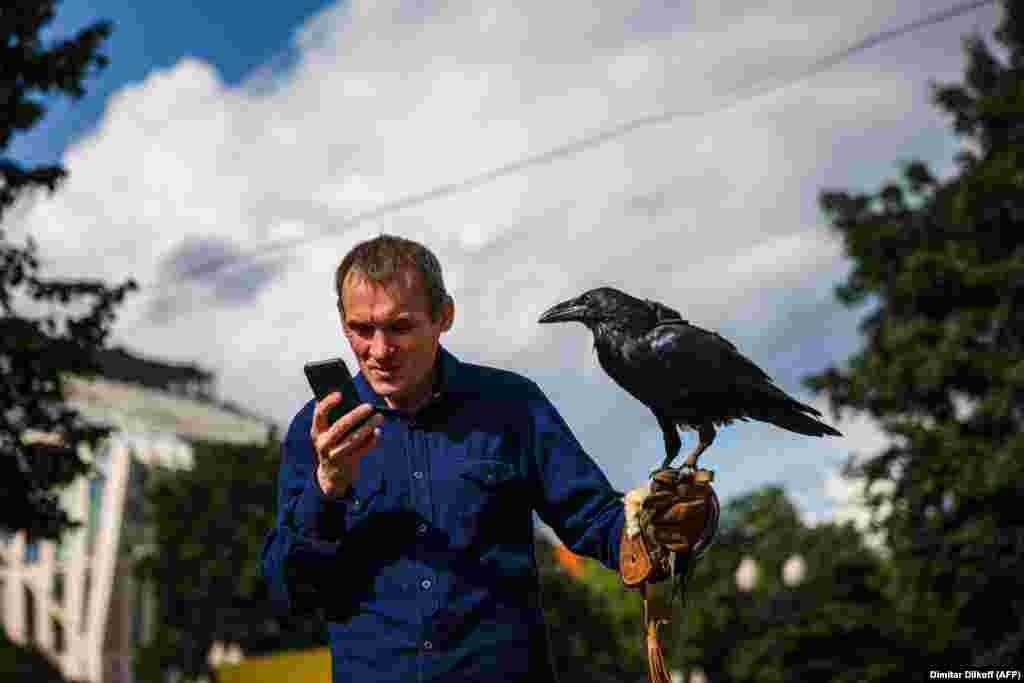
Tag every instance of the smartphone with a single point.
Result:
(327, 376)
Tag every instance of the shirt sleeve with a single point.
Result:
(572, 494)
(309, 527)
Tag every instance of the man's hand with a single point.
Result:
(673, 514)
(338, 450)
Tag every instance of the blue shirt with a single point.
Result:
(426, 567)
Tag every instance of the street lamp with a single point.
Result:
(747, 574)
(794, 571)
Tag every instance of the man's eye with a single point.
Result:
(367, 330)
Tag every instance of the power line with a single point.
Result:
(743, 93)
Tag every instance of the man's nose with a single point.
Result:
(380, 345)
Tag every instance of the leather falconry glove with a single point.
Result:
(669, 526)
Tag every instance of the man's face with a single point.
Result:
(391, 333)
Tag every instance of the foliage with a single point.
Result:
(593, 626)
(836, 624)
(941, 262)
(209, 524)
(37, 351)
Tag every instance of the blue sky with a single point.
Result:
(217, 127)
(155, 35)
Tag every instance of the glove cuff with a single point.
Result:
(632, 504)
(634, 560)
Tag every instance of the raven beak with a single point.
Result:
(567, 311)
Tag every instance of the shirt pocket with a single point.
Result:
(367, 497)
(485, 496)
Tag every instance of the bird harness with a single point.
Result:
(668, 530)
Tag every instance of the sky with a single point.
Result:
(216, 130)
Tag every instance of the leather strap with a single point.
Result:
(655, 613)
(680, 515)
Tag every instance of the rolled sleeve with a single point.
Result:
(318, 517)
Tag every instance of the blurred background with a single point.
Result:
(832, 186)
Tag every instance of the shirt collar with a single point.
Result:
(446, 371)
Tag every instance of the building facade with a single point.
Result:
(77, 600)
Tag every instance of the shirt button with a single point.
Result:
(417, 475)
(356, 503)
(425, 584)
(427, 645)
(421, 529)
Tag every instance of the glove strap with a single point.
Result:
(655, 613)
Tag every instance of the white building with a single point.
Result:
(77, 601)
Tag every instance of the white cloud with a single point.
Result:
(709, 214)
(850, 497)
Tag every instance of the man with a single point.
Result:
(415, 532)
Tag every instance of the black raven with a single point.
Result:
(686, 375)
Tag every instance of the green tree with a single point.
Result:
(36, 352)
(941, 264)
(835, 624)
(206, 564)
(594, 624)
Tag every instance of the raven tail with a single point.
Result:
(793, 419)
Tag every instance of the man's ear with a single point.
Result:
(448, 315)
(341, 317)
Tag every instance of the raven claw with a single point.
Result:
(673, 470)
(684, 471)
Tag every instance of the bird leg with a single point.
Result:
(706, 434)
(672, 441)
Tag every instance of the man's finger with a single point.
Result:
(358, 436)
(356, 444)
(320, 413)
(346, 422)
(364, 446)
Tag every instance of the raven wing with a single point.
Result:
(687, 371)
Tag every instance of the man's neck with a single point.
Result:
(421, 394)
